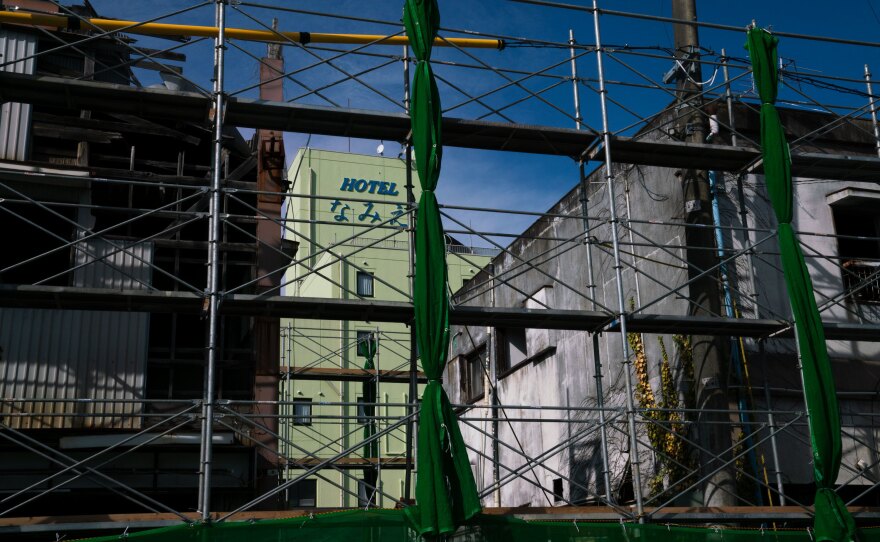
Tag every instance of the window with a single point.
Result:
(302, 412)
(511, 350)
(303, 494)
(472, 374)
(181, 381)
(363, 338)
(361, 411)
(557, 490)
(364, 284)
(859, 250)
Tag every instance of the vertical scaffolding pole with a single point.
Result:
(873, 105)
(728, 97)
(747, 241)
(585, 206)
(213, 284)
(743, 213)
(771, 422)
(377, 491)
(495, 403)
(411, 244)
(618, 275)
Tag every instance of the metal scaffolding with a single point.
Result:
(175, 234)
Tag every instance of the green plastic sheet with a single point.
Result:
(446, 495)
(368, 349)
(832, 519)
(378, 525)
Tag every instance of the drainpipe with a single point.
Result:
(735, 358)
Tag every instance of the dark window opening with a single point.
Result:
(858, 245)
(511, 349)
(303, 494)
(302, 412)
(35, 245)
(364, 284)
(557, 490)
(175, 380)
(472, 367)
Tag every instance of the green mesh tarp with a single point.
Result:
(832, 521)
(391, 526)
(446, 494)
(367, 349)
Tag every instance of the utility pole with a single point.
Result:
(709, 353)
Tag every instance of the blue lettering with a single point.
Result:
(360, 185)
(369, 213)
(383, 188)
(347, 184)
(373, 185)
(395, 220)
(393, 190)
(336, 204)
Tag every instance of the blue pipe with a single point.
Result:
(735, 359)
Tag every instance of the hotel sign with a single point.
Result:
(369, 187)
(367, 211)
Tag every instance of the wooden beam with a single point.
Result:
(148, 64)
(118, 522)
(159, 53)
(158, 164)
(147, 128)
(74, 133)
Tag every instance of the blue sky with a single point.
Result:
(510, 180)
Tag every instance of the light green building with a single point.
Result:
(352, 206)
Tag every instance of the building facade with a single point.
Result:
(102, 207)
(349, 215)
(563, 450)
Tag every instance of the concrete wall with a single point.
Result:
(565, 375)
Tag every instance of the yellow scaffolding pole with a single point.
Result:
(163, 29)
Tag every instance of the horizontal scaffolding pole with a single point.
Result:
(118, 522)
(352, 462)
(68, 297)
(63, 22)
(475, 134)
(347, 375)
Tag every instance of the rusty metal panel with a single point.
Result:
(75, 368)
(15, 118)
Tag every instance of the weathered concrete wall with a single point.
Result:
(548, 265)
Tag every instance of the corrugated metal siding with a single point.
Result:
(122, 265)
(80, 362)
(15, 118)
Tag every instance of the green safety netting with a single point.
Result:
(367, 348)
(446, 494)
(380, 525)
(832, 520)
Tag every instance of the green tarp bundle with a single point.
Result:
(446, 494)
(832, 521)
(378, 525)
(367, 348)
